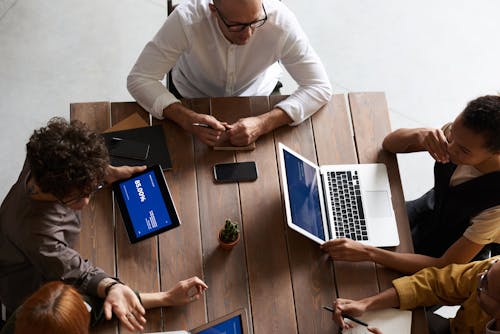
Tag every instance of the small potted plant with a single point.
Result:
(229, 235)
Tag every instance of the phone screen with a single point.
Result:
(235, 172)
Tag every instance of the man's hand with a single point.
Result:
(185, 291)
(346, 250)
(245, 131)
(118, 173)
(123, 302)
(209, 135)
(435, 142)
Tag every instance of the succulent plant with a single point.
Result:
(230, 231)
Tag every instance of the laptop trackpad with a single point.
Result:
(377, 204)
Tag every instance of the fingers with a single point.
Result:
(133, 321)
(108, 310)
(195, 288)
(337, 315)
(374, 330)
(195, 280)
(437, 145)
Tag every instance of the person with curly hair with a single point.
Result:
(39, 221)
(460, 216)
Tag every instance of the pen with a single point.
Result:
(202, 125)
(345, 315)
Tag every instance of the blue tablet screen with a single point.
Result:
(303, 193)
(230, 326)
(145, 204)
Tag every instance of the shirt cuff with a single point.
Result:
(406, 292)
(161, 102)
(292, 111)
(94, 282)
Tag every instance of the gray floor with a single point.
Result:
(430, 57)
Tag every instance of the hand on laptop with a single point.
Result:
(346, 250)
(185, 291)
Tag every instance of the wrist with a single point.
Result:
(110, 286)
(179, 114)
(106, 285)
(167, 299)
(274, 119)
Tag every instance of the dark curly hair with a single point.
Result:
(67, 157)
(482, 116)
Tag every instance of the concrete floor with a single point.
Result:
(430, 57)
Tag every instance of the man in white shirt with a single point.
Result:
(229, 48)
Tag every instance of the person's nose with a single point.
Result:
(247, 32)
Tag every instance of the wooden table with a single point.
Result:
(279, 276)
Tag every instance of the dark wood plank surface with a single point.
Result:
(224, 272)
(312, 272)
(180, 249)
(282, 278)
(371, 124)
(267, 261)
(97, 236)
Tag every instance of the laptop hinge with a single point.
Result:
(325, 200)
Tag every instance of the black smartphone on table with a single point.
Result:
(235, 172)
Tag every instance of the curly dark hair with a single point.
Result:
(482, 116)
(67, 157)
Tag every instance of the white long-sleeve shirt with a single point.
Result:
(205, 64)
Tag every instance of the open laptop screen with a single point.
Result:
(230, 326)
(233, 323)
(303, 192)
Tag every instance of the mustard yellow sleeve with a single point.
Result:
(451, 285)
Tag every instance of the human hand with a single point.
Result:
(123, 302)
(118, 173)
(245, 131)
(185, 291)
(347, 306)
(435, 142)
(346, 250)
(374, 330)
(209, 135)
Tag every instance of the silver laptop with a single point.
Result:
(335, 201)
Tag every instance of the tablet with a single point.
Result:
(233, 323)
(146, 204)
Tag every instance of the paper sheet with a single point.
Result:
(447, 312)
(388, 321)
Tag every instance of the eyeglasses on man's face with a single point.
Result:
(238, 27)
(76, 199)
(482, 284)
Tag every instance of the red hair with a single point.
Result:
(56, 308)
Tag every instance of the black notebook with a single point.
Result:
(151, 137)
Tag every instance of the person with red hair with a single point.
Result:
(55, 308)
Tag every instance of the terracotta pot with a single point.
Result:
(228, 245)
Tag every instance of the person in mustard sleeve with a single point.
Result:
(474, 286)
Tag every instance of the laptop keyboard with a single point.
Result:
(348, 215)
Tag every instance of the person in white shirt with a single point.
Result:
(229, 48)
